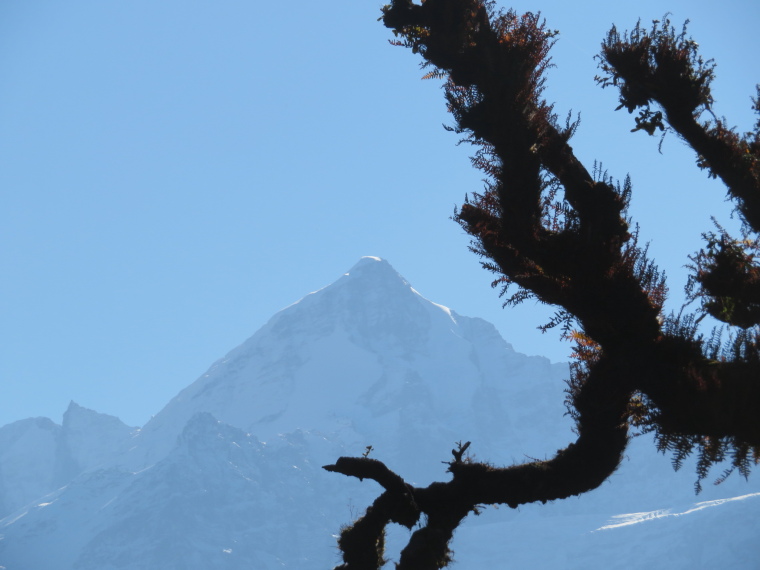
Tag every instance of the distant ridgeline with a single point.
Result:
(228, 474)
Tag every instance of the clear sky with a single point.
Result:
(173, 173)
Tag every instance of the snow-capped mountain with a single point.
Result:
(228, 474)
(368, 357)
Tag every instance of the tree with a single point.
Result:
(559, 233)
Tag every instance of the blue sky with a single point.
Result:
(173, 173)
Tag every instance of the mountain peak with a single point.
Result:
(74, 408)
(371, 263)
(370, 316)
(375, 271)
(78, 417)
(369, 294)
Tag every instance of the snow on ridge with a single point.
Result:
(628, 519)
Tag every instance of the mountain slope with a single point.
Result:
(370, 357)
(27, 461)
(228, 474)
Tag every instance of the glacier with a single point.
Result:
(228, 474)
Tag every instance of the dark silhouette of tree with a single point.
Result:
(559, 233)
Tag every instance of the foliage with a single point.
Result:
(554, 231)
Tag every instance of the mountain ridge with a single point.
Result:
(228, 474)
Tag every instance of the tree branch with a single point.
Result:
(575, 252)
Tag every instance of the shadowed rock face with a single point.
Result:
(228, 474)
